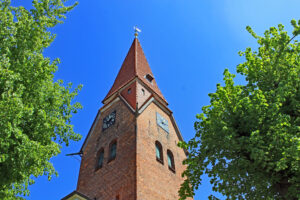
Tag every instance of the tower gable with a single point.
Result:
(129, 93)
(157, 177)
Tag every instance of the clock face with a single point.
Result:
(109, 120)
(162, 122)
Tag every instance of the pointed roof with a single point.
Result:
(135, 65)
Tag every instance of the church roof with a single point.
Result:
(75, 194)
(135, 65)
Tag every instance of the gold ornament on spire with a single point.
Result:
(136, 31)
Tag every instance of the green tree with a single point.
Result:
(248, 139)
(35, 110)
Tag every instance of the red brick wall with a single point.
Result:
(135, 174)
(118, 177)
(155, 180)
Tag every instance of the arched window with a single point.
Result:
(159, 152)
(171, 162)
(100, 158)
(112, 150)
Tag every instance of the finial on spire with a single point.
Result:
(136, 31)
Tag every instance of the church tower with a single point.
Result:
(131, 152)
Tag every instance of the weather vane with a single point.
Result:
(136, 31)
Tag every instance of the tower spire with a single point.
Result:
(134, 66)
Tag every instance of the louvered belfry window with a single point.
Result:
(112, 150)
(171, 162)
(159, 152)
(100, 158)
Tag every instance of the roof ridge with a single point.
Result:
(135, 55)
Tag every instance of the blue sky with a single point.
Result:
(188, 45)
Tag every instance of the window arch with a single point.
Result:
(159, 152)
(100, 158)
(112, 150)
(171, 162)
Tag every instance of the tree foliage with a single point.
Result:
(248, 139)
(35, 110)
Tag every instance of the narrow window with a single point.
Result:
(112, 150)
(159, 154)
(171, 163)
(100, 158)
(129, 91)
(143, 92)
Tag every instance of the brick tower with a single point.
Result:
(131, 150)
